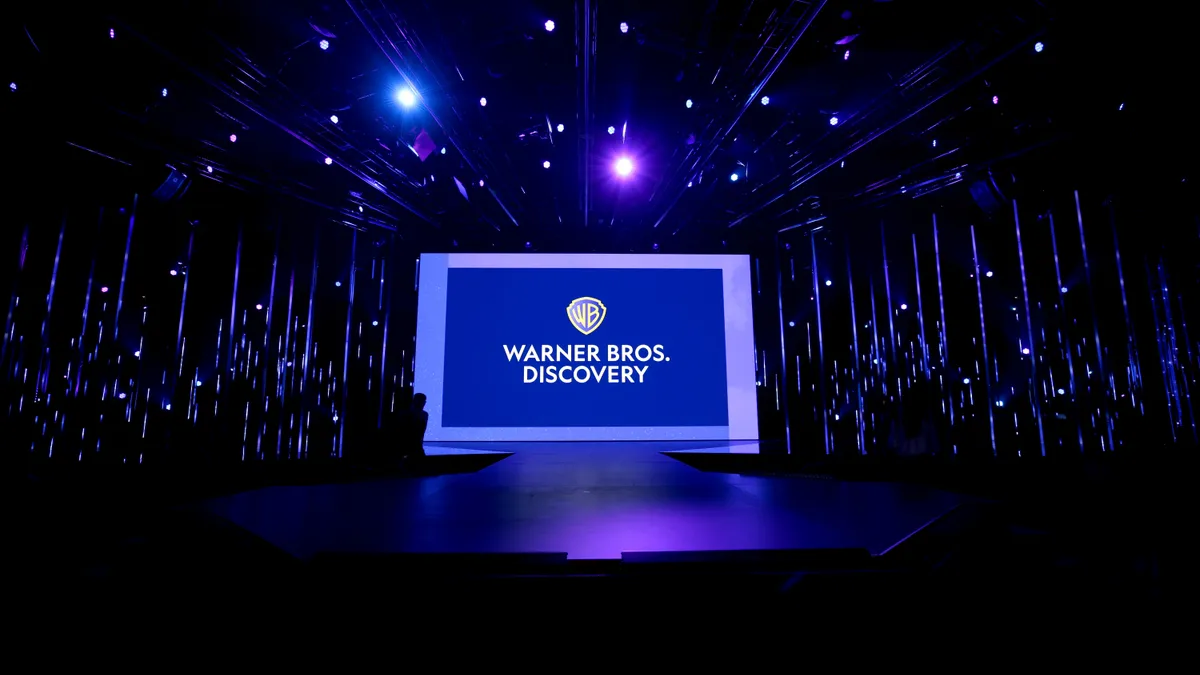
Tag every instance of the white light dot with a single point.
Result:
(1025, 350)
(323, 44)
(233, 138)
(138, 354)
(406, 97)
(833, 121)
(208, 168)
(988, 274)
(792, 324)
(903, 306)
(612, 130)
(1061, 392)
(689, 183)
(1064, 289)
(121, 396)
(624, 166)
(338, 284)
(846, 56)
(546, 164)
(935, 142)
(173, 273)
(966, 380)
(374, 323)
(765, 100)
(164, 92)
(624, 27)
(12, 86)
(168, 406)
(443, 151)
(995, 100)
(112, 33)
(258, 307)
(333, 118)
(560, 128)
(828, 282)
(480, 182)
(483, 101)
(733, 177)
(688, 103)
(549, 25)
(328, 161)
(1038, 47)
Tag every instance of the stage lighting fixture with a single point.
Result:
(174, 272)
(995, 100)
(208, 169)
(846, 56)
(406, 97)
(1061, 392)
(483, 102)
(935, 142)
(624, 27)
(903, 307)
(121, 396)
(328, 161)
(374, 323)
(689, 183)
(624, 167)
(233, 138)
(966, 380)
(843, 164)
(1038, 47)
(528, 244)
(828, 282)
(333, 118)
(1119, 107)
(833, 121)
(546, 164)
(443, 151)
(104, 289)
(323, 44)
(989, 274)
(137, 354)
(549, 26)
(164, 92)
(1025, 351)
(1064, 289)
(655, 246)
(733, 177)
(360, 209)
(766, 100)
(999, 404)
(337, 284)
(958, 175)
(480, 182)
(560, 128)
(12, 86)
(688, 103)
(612, 130)
(258, 307)
(112, 33)
(791, 324)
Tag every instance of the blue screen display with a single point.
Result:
(637, 348)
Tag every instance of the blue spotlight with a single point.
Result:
(406, 97)
(734, 177)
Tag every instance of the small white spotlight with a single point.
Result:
(733, 177)
(688, 103)
(333, 118)
(12, 86)
(549, 26)
(1025, 351)
(337, 284)
(208, 168)
(966, 380)
(164, 92)
(174, 272)
(328, 161)
(406, 97)
(546, 164)
(828, 282)
(121, 396)
(1061, 392)
(903, 307)
(374, 323)
(935, 142)
(833, 121)
(765, 100)
(112, 33)
(233, 138)
(988, 274)
(480, 182)
(323, 44)
(443, 151)
(483, 102)
(624, 167)
(1038, 47)
(995, 100)
(791, 324)
(689, 183)
(137, 354)
(624, 27)
(258, 307)
(1064, 289)
(612, 130)
(560, 128)
(846, 56)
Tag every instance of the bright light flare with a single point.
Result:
(624, 167)
(406, 97)
(549, 26)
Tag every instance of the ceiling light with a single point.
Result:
(903, 306)
(624, 167)
(828, 282)
(560, 128)
(406, 97)
(766, 100)
(323, 44)
(333, 118)
(688, 103)
(833, 121)
(328, 161)
(233, 138)
(612, 130)
(546, 164)
(733, 177)
(625, 28)
(483, 102)
(549, 26)
(1038, 47)
(989, 274)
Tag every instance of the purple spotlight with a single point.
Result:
(995, 100)
(112, 33)
(624, 167)
(174, 272)
(480, 182)
(258, 307)
(328, 161)
(233, 138)
(549, 26)
(483, 102)
(104, 289)
(846, 56)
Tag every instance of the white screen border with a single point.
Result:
(740, 360)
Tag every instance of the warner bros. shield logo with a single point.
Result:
(586, 314)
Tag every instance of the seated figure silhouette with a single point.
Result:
(413, 423)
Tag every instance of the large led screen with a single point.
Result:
(548, 347)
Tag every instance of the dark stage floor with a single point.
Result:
(589, 500)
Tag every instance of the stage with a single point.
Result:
(589, 500)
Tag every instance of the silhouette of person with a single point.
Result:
(412, 429)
